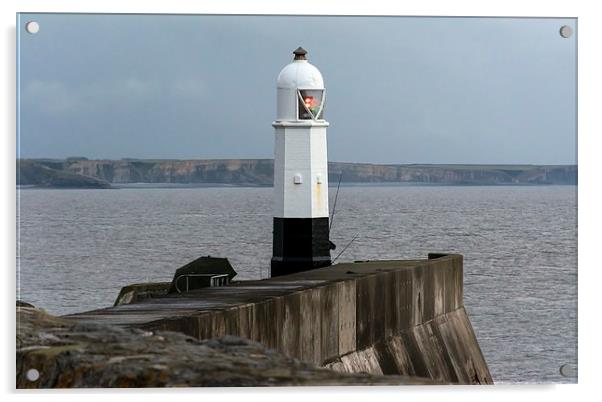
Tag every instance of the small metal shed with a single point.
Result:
(203, 272)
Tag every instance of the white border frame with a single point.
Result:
(590, 29)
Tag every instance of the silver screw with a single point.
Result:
(32, 27)
(566, 31)
(32, 375)
(568, 370)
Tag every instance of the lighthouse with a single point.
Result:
(301, 225)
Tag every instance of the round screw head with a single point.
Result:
(568, 370)
(32, 375)
(566, 31)
(32, 27)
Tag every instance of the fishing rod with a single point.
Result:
(334, 206)
(342, 251)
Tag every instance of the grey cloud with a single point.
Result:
(57, 98)
(400, 90)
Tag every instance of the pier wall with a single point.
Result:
(380, 317)
(443, 349)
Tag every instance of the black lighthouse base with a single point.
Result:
(300, 244)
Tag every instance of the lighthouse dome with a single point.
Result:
(300, 74)
(300, 91)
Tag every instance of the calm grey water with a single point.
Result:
(78, 247)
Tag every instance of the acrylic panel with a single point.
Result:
(151, 162)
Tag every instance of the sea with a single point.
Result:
(77, 248)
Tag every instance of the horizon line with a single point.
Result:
(128, 159)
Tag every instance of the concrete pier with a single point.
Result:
(381, 317)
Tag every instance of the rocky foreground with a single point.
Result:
(53, 352)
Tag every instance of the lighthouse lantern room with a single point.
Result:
(301, 224)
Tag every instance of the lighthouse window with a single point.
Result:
(311, 104)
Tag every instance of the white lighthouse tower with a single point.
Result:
(301, 231)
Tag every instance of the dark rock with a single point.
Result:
(52, 352)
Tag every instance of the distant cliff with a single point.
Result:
(259, 172)
(456, 174)
(31, 173)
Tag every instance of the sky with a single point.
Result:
(399, 89)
